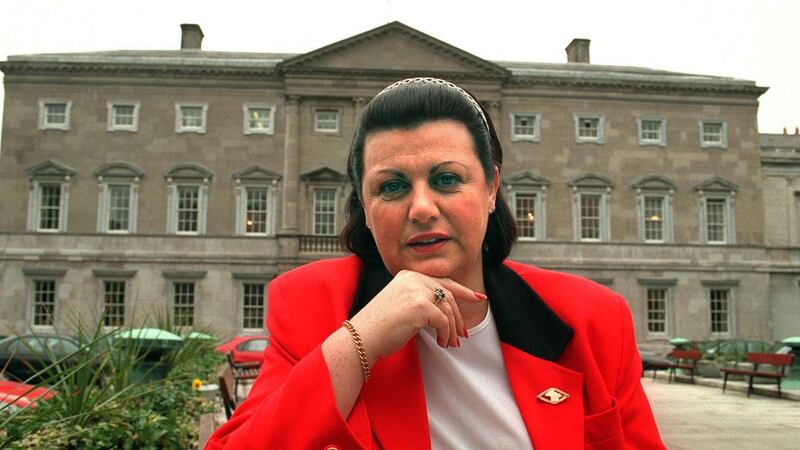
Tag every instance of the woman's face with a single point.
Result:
(427, 200)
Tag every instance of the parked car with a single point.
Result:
(245, 348)
(14, 396)
(21, 357)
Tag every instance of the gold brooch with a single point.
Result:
(552, 396)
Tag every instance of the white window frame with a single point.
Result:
(102, 306)
(729, 229)
(246, 107)
(243, 288)
(32, 303)
(338, 113)
(110, 121)
(314, 209)
(662, 142)
(723, 138)
(538, 212)
(241, 209)
(172, 226)
(35, 204)
(731, 322)
(173, 305)
(600, 128)
(104, 203)
(44, 124)
(667, 222)
(537, 117)
(604, 209)
(179, 128)
(667, 311)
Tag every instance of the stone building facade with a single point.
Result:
(184, 181)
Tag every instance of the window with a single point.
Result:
(326, 121)
(256, 207)
(54, 114)
(253, 301)
(44, 302)
(255, 201)
(119, 207)
(183, 304)
(525, 127)
(123, 116)
(654, 218)
(590, 216)
(716, 202)
(525, 214)
(716, 213)
(188, 209)
(654, 195)
(652, 131)
(258, 118)
(657, 310)
(118, 184)
(589, 129)
(325, 212)
(49, 207)
(190, 117)
(719, 299)
(113, 303)
(713, 133)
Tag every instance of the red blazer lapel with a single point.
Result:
(549, 425)
(395, 399)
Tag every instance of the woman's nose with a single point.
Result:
(423, 206)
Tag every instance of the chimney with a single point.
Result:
(578, 51)
(784, 130)
(796, 131)
(191, 36)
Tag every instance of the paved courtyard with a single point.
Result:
(702, 417)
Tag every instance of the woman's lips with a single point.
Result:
(428, 245)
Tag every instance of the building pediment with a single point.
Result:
(526, 178)
(120, 169)
(653, 182)
(256, 173)
(51, 169)
(591, 180)
(189, 171)
(716, 184)
(394, 48)
(324, 174)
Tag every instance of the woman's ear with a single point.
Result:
(494, 185)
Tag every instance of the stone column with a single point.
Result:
(291, 167)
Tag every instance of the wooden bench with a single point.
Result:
(681, 359)
(225, 377)
(780, 362)
(245, 372)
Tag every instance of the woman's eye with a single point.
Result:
(392, 188)
(447, 180)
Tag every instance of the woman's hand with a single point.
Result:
(407, 304)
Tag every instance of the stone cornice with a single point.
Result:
(26, 67)
(670, 86)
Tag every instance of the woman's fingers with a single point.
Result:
(461, 292)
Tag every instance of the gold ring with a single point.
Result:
(439, 293)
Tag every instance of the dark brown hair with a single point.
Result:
(408, 106)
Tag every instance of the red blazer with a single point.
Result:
(556, 330)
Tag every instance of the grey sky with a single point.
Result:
(746, 39)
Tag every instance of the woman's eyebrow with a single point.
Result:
(436, 167)
(393, 172)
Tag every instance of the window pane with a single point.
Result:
(44, 302)
(256, 212)
(525, 214)
(657, 310)
(192, 116)
(55, 113)
(123, 115)
(654, 218)
(327, 120)
(524, 125)
(114, 303)
(183, 304)
(720, 317)
(49, 206)
(325, 212)
(712, 132)
(716, 212)
(258, 118)
(588, 128)
(651, 130)
(253, 305)
(188, 208)
(590, 216)
(118, 206)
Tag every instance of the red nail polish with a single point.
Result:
(480, 296)
(466, 334)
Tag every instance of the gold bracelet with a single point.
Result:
(362, 354)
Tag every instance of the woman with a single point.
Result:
(448, 345)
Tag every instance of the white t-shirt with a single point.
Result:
(467, 392)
